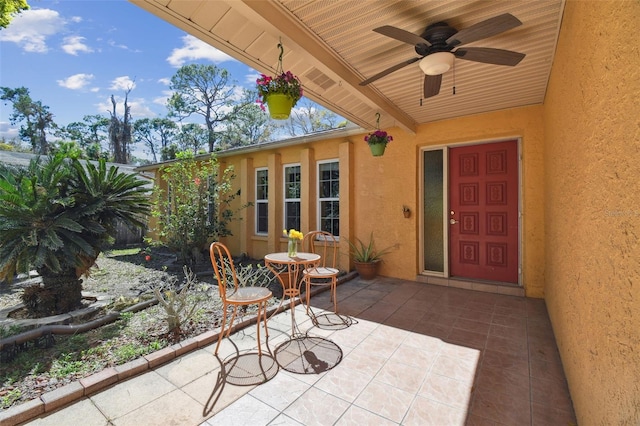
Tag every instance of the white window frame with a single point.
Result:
(326, 199)
(261, 201)
(290, 200)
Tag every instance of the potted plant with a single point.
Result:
(280, 93)
(366, 258)
(378, 141)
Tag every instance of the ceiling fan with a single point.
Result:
(435, 47)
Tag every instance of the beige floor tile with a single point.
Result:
(402, 376)
(424, 342)
(362, 360)
(359, 416)
(460, 351)
(83, 412)
(393, 336)
(174, 408)
(351, 336)
(378, 345)
(189, 367)
(281, 391)
(284, 420)
(461, 369)
(425, 412)
(316, 407)
(447, 391)
(344, 383)
(385, 400)
(246, 411)
(413, 356)
(131, 394)
(202, 389)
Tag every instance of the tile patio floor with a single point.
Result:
(417, 354)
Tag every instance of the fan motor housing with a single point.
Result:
(437, 34)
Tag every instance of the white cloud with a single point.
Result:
(74, 44)
(122, 83)
(31, 28)
(162, 100)
(165, 81)
(8, 131)
(76, 81)
(112, 43)
(76, 19)
(194, 49)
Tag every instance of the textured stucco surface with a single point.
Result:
(592, 208)
(375, 189)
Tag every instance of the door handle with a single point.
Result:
(453, 221)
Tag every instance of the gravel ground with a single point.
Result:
(128, 279)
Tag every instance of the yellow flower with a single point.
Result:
(293, 234)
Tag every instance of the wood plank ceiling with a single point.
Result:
(331, 47)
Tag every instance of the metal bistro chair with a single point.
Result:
(325, 272)
(234, 295)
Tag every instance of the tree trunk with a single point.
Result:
(61, 293)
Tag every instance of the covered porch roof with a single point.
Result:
(332, 48)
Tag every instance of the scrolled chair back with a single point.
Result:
(223, 268)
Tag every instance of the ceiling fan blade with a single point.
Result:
(432, 85)
(389, 71)
(490, 27)
(489, 55)
(401, 35)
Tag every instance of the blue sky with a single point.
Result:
(73, 55)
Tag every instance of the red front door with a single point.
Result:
(483, 212)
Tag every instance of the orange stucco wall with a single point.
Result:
(384, 184)
(374, 190)
(592, 208)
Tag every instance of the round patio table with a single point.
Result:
(289, 273)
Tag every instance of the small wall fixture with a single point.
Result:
(437, 63)
(406, 212)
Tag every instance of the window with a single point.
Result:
(262, 202)
(292, 197)
(328, 197)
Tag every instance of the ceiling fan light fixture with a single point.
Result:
(437, 63)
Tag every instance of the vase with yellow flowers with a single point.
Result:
(293, 238)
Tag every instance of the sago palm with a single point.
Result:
(57, 216)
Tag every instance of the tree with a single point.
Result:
(156, 134)
(193, 138)
(56, 216)
(36, 116)
(196, 205)
(10, 8)
(68, 149)
(204, 90)
(308, 118)
(248, 127)
(90, 134)
(120, 132)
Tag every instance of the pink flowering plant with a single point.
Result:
(379, 136)
(285, 84)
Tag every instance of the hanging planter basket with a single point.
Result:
(279, 93)
(377, 149)
(279, 106)
(378, 140)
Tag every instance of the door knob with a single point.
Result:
(453, 221)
